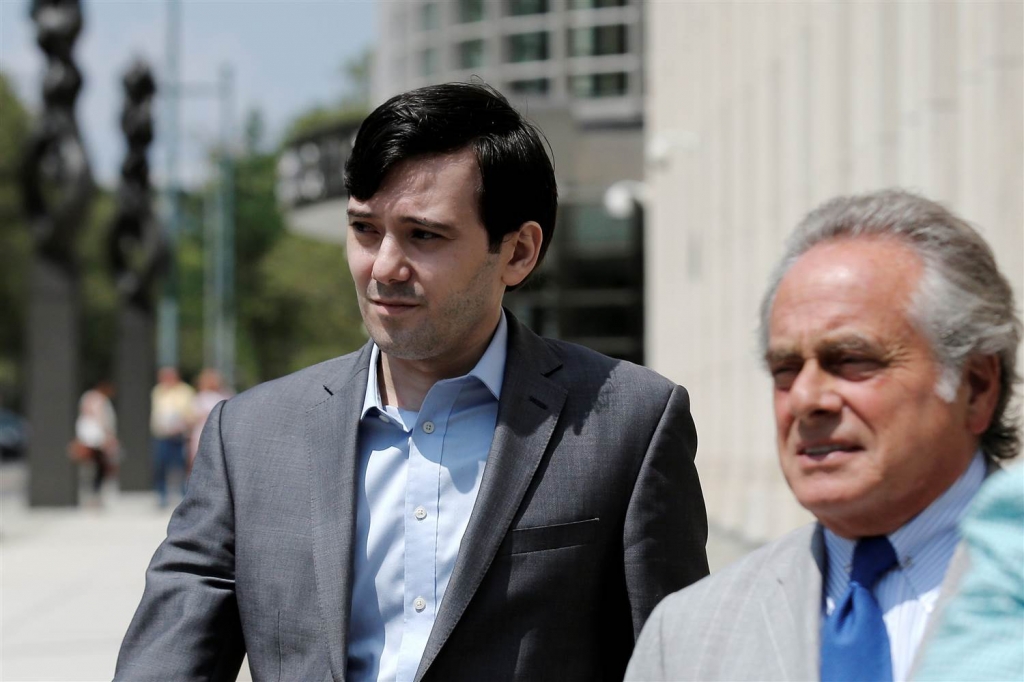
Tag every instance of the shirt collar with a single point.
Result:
(912, 538)
(489, 369)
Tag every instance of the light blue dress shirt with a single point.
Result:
(924, 546)
(418, 481)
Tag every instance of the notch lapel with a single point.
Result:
(799, 580)
(527, 413)
(331, 431)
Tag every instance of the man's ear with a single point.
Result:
(981, 379)
(519, 253)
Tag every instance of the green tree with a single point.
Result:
(306, 310)
(15, 246)
(295, 303)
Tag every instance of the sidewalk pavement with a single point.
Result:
(70, 580)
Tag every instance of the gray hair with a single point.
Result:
(963, 305)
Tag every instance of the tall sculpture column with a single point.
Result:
(137, 254)
(56, 187)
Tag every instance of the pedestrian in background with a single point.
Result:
(170, 424)
(96, 433)
(211, 391)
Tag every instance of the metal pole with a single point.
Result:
(167, 352)
(227, 358)
(211, 272)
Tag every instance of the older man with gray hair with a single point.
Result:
(891, 339)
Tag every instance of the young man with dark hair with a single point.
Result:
(459, 500)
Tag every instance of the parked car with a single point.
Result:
(13, 435)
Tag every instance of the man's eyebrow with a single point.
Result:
(857, 344)
(826, 347)
(415, 220)
(427, 222)
(357, 213)
(776, 355)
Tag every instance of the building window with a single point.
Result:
(599, 85)
(429, 19)
(471, 10)
(471, 54)
(428, 61)
(530, 86)
(594, 41)
(596, 4)
(520, 7)
(528, 47)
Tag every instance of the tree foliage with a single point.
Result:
(295, 301)
(15, 246)
(98, 296)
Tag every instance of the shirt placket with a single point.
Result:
(421, 519)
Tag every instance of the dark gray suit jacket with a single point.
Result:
(588, 514)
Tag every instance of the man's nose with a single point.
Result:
(814, 392)
(390, 264)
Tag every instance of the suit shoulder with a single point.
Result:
(304, 388)
(745, 576)
(580, 360)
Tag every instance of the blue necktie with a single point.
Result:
(854, 642)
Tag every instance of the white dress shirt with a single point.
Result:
(924, 547)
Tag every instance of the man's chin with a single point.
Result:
(401, 348)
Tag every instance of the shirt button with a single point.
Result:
(419, 603)
(420, 513)
(428, 427)
(383, 418)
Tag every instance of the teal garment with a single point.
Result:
(981, 632)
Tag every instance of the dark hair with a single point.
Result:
(517, 178)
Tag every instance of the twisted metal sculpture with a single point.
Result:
(138, 255)
(56, 182)
(137, 251)
(56, 189)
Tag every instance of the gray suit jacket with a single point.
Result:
(588, 514)
(757, 619)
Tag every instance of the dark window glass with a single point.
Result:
(471, 54)
(596, 4)
(471, 10)
(428, 61)
(594, 41)
(528, 47)
(428, 16)
(599, 85)
(520, 7)
(531, 86)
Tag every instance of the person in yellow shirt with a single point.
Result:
(170, 423)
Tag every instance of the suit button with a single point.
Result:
(419, 603)
(420, 513)
(428, 427)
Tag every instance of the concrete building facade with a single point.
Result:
(756, 113)
(581, 54)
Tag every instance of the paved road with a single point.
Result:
(70, 580)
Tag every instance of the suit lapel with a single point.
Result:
(527, 413)
(331, 431)
(799, 583)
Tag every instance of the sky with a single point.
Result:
(286, 56)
